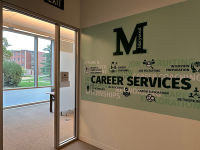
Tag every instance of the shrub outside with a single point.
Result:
(12, 73)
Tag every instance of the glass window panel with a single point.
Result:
(21, 41)
(44, 62)
(16, 75)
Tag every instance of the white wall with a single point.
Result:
(117, 128)
(98, 11)
(70, 15)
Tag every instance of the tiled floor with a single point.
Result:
(31, 128)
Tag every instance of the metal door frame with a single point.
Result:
(57, 144)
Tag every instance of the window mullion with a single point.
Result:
(36, 61)
(52, 62)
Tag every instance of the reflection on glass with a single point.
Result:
(25, 47)
(67, 88)
(18, 61)
(44, 62)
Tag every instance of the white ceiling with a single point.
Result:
(30, 24)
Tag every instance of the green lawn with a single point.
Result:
(29, 82)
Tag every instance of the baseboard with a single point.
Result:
(26, 104)
(96, 143)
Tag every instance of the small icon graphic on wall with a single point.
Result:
(149, 63)
(88, 88)
(195, 67)
(195, 93)
(150, 98)
(193, 97)
(126, 93)
(113, 67)
(87, 69)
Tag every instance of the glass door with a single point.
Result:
(65, 86)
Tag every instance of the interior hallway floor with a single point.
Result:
(31, 128)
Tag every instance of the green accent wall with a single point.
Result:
(171, 38)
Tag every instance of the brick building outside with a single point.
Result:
(25, 58)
